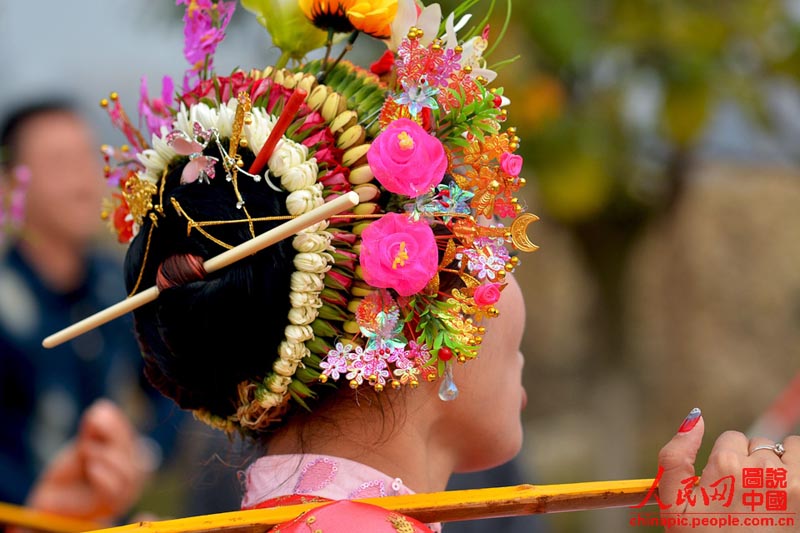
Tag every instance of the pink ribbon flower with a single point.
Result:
(511, 164)
(487, 294)
(406, 159)
(398, 253)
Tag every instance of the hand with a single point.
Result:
(730, 455)
(97, 476)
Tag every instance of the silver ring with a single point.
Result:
(777, 448)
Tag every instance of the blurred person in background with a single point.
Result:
(50, 276)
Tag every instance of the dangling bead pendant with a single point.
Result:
(448, 390)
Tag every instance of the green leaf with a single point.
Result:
(296, 397)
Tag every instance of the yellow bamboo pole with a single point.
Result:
(447, 506)
(15, 515)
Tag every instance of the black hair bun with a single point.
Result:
(201, 339)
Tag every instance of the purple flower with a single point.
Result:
(155, 112)
(399, 357)
(204, 28)
(335, 363)
(487, 257)
(418, 351)
(376, 370)
(418, 97)
(355, 365)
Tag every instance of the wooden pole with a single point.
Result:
(447, 506)
(15, 515)
(247, 248)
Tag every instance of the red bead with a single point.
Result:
(445, 353)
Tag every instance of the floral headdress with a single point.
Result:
(395, 291)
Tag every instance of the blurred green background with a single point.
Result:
(661, 139)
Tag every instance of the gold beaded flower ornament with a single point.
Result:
(396, 291)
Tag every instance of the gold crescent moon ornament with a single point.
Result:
(519, 232)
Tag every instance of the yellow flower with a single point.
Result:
(328, 14)
(373, 17)
(287, 25)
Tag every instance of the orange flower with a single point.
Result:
(328, 14)
(373, 17)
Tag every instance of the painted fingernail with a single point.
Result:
(690, 421)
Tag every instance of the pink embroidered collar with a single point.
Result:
(317, 475)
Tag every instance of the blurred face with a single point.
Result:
(484, 423)
(66, 185)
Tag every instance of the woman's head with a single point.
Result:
(393, 295)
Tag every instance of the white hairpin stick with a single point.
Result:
(247, 248)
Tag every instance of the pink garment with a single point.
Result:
(317, 475)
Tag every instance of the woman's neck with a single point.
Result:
(402, 444)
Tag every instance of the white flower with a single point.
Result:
(316, 228)
(259, 129)
(202, 114)
(182, 121)
(304, 200)
(284, 368)
(300, 176)
(161, 146)
(312, 242)
(292, 351)
(428, 21)
(295, 333)
(227, 113)
(301, 299)
(472, 50)
(312, 262)
(287, 154)
(306, 282)
(154, 164)
(472, 56)
(277, 384)
(302, 316)
(450, 29)
(207, 117)
(268, 400)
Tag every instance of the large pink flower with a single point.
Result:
(399, 254)
(406, 159)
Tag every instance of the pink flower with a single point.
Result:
(322, 136)
(511, 163)
(231, 86)
(156, 112)
(399, 254)
(486, 295)
(204, 28)
(406, 159)
(202, 89)
(338, 281)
